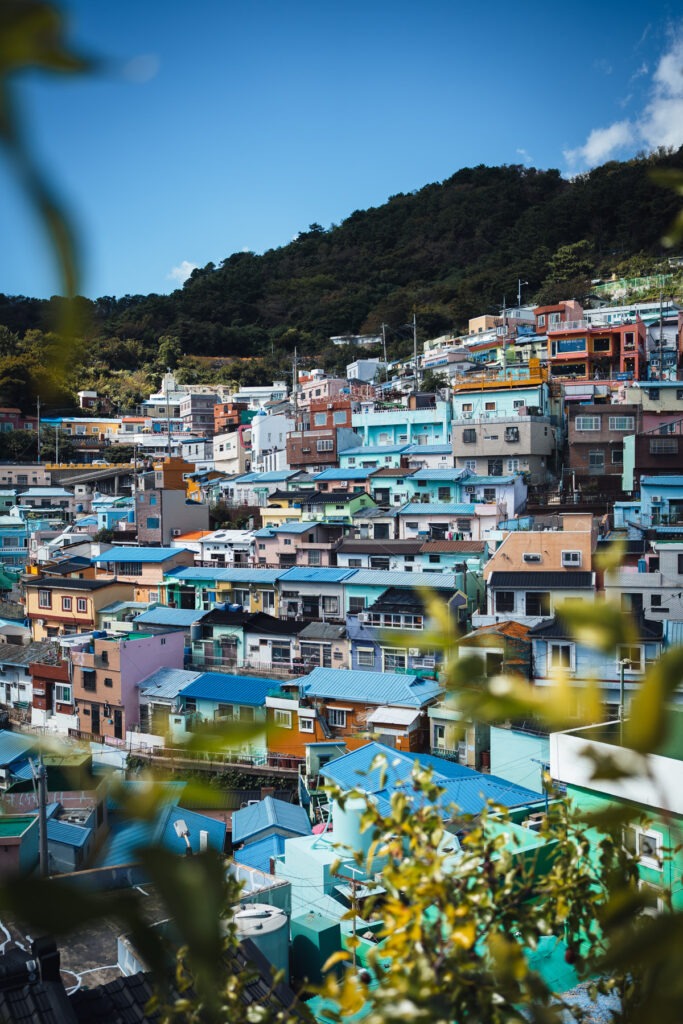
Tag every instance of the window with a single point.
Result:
(365, 657)
(108, 681)
(62, 693)
(287, 542)
(395, 660)
(330, 605)
(320, 419)
(561, 655)
(541, 320)
(463, 525)
(490, 406)
(494, 467)
(325, 446)
(663, 446)
(489, 494)
(631, 655)
(355, 563)
(444, 494)
(621, 422)
(337, 717)
(617, 455)
(356, 605)
(505, 600)
(66, 604)
(280, 654)
(537, 603)
(512, 433)
(435, 559)
(379, 562)
(339, 417)
(152, 522)
(467, 406)
(283, 718)
(601, 345)
(656, 603)
(241, 597)
(314, 557)
(81, 605)
(587, 423)
(306, 725)
(571, 558)
(653, 393)
(45, 599)
(596, 459)
(471, 465)
(128, 568)
(629, 340)
(469, 436)
(512, 465)
(644, 844)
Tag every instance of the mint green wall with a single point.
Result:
(515, 757)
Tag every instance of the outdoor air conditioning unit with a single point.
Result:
(531, 556)
(656, 499)
(413, 652)
(176, 532)
(467, 415)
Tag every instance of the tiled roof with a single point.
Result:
(269, 814)
(48, 583)
(430, 449)
(372, 450)
(322, 631)
(568, 579)
(351, 473)
(395, 471)
(227, 689)
(508, 628)
(370, 687)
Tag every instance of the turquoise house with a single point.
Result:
(429, 424)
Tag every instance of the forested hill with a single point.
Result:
(451, 250)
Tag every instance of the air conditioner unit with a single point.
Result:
(531, 556)
(413, 652)
(656, 500)
(470, 489)
(176, 533)
(467, 415)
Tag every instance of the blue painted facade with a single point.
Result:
(405, 426)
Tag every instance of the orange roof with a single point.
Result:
(513, 629)
(194, 535)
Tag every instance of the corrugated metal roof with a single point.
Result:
(466, 788)
(438, 508)
(167, 836)
(165, 616)
(398, 578)
(273, 477)
(166, 683)
(492, 481)
(269, 814)
(430, 449)
(137, 554)
(352, 473)
(666, 481)
(370, 687)
(66, 833)
(227, 689)
(258, 854)
(303, 574)
(293, 527)
(14, 745)
(376, 449)
(266, 576)
(449, 473)
(394, 716)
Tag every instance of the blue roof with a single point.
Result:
(465, 787)
(269, 814)
(430, 449)
(304, 574)
(258, 854)
(166, 834)
(166, 683)
(392, 688)
(375, 449)
(399, 578)
(226, 575)
(357, 473)
(447, 473)
(227, 689)
(14, 745)
(137, 554)
(65, 832)
(434, 508)
(165, 616)
(274, 477)
(664, 481)
(473, 478)
(295, 526)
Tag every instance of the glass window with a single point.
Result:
(596, 459)
(66, 604)
(365, 657)
(588, 422)
(45, 599)
(537, 603)
(306, 725)
(561, 655)
(62, 693)
(337, 717)
(505, 601)
(395, 660)
(621, 422)
(283, 718)
(320, 419)
(152, 522)
(81, 604)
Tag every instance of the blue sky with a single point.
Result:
(216, 126)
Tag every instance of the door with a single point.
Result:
(95, 719)
(118, 723)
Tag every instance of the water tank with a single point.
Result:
(347, 826)
(268, 929)
(195, 632)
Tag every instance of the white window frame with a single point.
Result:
(629, 670)
(394, 652)
(45, 599)
(587, 423)
(336, 717)
(63, 693)
(571, 558)
(306, 725)
(640, 834)
(82, 605)
(283, 718)
(622, 422)
(555, 663)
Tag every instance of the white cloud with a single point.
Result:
(660, 122)
(603, 66)
(601, 144)
(526, 157)
(181, 273)
(142, 68)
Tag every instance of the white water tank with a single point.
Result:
(268, 929)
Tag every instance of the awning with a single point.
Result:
(393, 716)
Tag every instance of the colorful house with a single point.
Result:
(142, 567)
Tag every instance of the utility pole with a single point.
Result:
(661, 337)
(168, 413)
(295, 388)
(384, 350)
(519, 292)
(57, 442)
(38, 423)
(416, 379)
(40, 776)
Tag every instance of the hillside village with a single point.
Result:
(277, 562)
